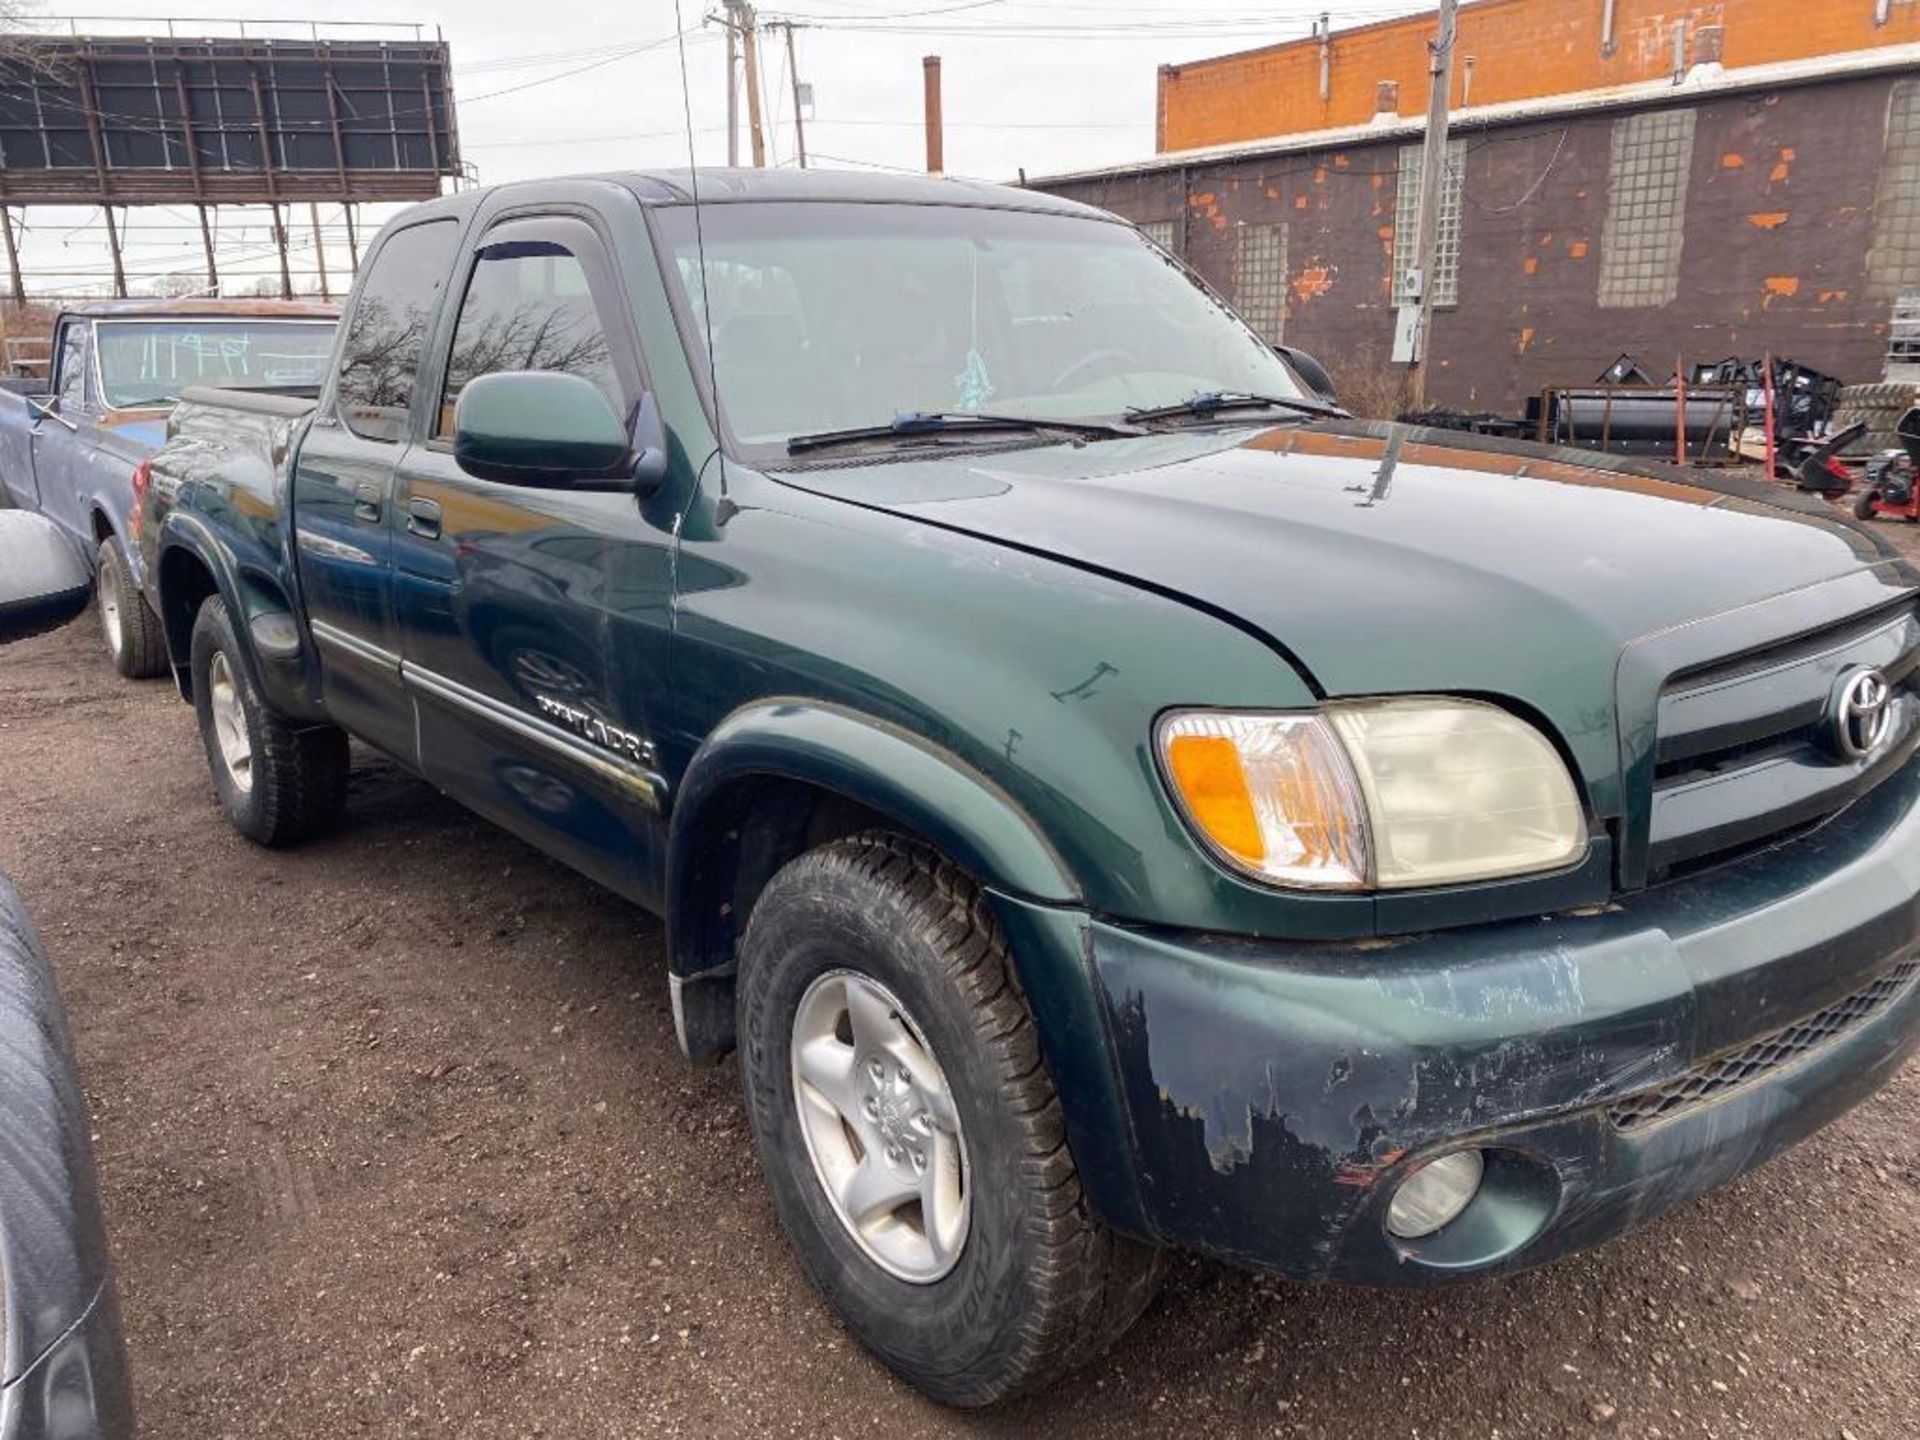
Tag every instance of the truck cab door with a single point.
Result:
(55, 445)
(343, 482)
(533, 621)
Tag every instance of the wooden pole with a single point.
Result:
(353, 238)
(280, 241)
(1433, 179)
(319, 248)
(936, 138)
(750, 46)
(206, 239)
(113, 248)
(733, 95)
(13, 256)
(799, 129)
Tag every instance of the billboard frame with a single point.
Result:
(206, 122)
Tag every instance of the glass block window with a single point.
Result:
(1160, 232)
(1260, 279)
(1645, 228)
(1893, 265)
(1406, 225)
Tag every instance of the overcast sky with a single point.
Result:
(562, 86)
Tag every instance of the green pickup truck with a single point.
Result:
(1109, 799)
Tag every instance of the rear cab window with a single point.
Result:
(146, 363)
(387, 332)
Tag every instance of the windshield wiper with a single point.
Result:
(914, 424)
(1212, 402)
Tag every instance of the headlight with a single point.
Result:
(1388, 794)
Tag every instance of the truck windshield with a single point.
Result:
(833, 316)
(149, 362)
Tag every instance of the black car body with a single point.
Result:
(65, 1366)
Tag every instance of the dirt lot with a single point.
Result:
(395, 1141)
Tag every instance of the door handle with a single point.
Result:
(366, 503)
(423, 518)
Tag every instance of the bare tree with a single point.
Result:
(14, 15)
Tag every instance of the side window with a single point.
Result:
(72, 380)
(528, 306)
(380, 356)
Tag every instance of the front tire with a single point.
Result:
(278, 783)
(892, 1069)
(1863, 507)
(134, 638)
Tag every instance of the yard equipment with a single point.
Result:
(1890, 492)
(1819, 467)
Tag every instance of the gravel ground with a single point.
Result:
(394, 1140)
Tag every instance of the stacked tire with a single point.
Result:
(1881, 406)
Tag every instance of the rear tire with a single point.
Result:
(135, 641)
(1863, 507)
(278, 783)
(1037, 1286)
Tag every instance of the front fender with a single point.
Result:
(889, 770)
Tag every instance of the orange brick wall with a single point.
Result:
(1521, 49)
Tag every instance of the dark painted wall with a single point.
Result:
(1779, 224)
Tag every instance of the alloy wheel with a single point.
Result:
(881, 1126)
(229, 723)
(110, 621)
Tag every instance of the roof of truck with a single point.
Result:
(195, 308)
(723, 186)
(720, 186)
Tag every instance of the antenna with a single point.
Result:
(699, 237)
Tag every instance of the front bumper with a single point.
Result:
(1261, 1101)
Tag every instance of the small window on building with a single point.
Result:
(1260, 279)
(1645, 229)
(1406, 224)
(1160, 232)
(1893, 265)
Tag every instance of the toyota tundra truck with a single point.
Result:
(1108, 799)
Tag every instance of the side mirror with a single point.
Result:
(540, 427)
(1310, 371)
(44, 580)
(47, 409)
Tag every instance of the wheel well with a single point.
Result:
(742, 837)
(185, 584)
(102, 526)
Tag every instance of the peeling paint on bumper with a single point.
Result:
(1274, 1094)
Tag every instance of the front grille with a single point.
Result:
(1765, 1055)
(1742, 758)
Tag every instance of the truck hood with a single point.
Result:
(1383, 559)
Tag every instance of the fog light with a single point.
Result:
(1435, 1194)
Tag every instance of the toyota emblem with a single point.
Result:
(1862, 714)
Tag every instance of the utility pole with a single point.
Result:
(319, 248)
(113, 248)
(936, 140)
(13, 256)
(750, 48)
(1433, 179)
(733, 94)
(793, 71)
(743, 27)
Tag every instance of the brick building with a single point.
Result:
(1508, 50)
(1765, 203)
